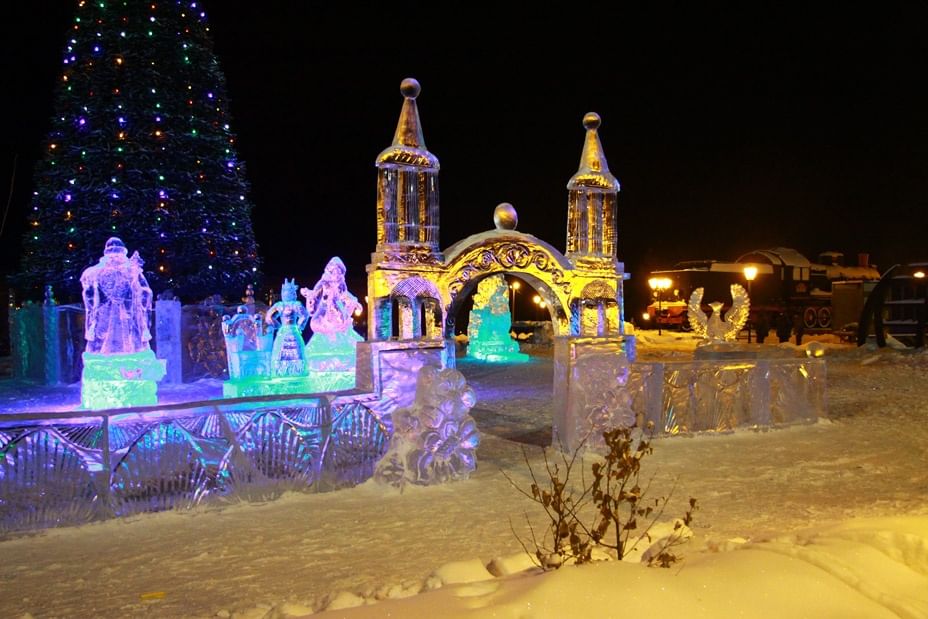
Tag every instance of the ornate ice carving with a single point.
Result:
(717, 328)
(506, 255)
(435, 440)
(598, 290)
(413, 255)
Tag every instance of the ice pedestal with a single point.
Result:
(331, 359)
(496, 348)
(591, 394)
(270, 385)
(118, 380)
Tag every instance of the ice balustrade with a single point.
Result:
(685, 396)
(70, 468)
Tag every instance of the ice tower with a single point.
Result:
(592, 194)
(594, 358)
(406, 317)
(403, 298)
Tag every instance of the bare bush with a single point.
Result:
(624, 515)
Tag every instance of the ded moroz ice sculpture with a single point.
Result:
(117, 302)
(488, 336)
(120, 369)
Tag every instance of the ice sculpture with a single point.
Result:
(488, 336)
(434, 440)
(718, 329)
(120, 369)
(288, 316)
(249, 343)
(330, 352)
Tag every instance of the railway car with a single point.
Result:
(827, 295)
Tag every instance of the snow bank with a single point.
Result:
(868, 568)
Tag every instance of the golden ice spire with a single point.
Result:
(594, 170)
(407, 184)
(408, 146)
(591, 202)
(409, 129)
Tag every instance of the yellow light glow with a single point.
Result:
(919, 274)
(357, 312)
(645, 316)
(515, 285)
(536, 299)
(750, 272)
(660, 283)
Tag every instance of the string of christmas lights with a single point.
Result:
(141, 148)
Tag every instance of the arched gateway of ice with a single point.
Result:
(415, 289)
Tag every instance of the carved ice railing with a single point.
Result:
(604, 390)
(71, 468)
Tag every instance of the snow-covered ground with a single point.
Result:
(822, 520)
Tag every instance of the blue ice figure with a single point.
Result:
(288, 356)
(488, 336)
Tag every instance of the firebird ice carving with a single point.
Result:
(717, 328)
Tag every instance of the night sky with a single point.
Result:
(729, 132)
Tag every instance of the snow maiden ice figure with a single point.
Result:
(330, 352)
(329, 302)
(332, 306)
(288, 357)
(120, 368)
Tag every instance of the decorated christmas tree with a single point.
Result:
(141, 148)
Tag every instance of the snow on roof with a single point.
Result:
(853, 272)
(784, 256)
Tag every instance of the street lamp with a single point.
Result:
(537, 300)
(658, 286)
(514, 286)
(750, 272)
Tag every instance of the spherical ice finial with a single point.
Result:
(505, 217)
(591, 120)
(410, 88)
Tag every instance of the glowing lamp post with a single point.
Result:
(658, 286)
(514, 286)
(750, 272)
(537, 300)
